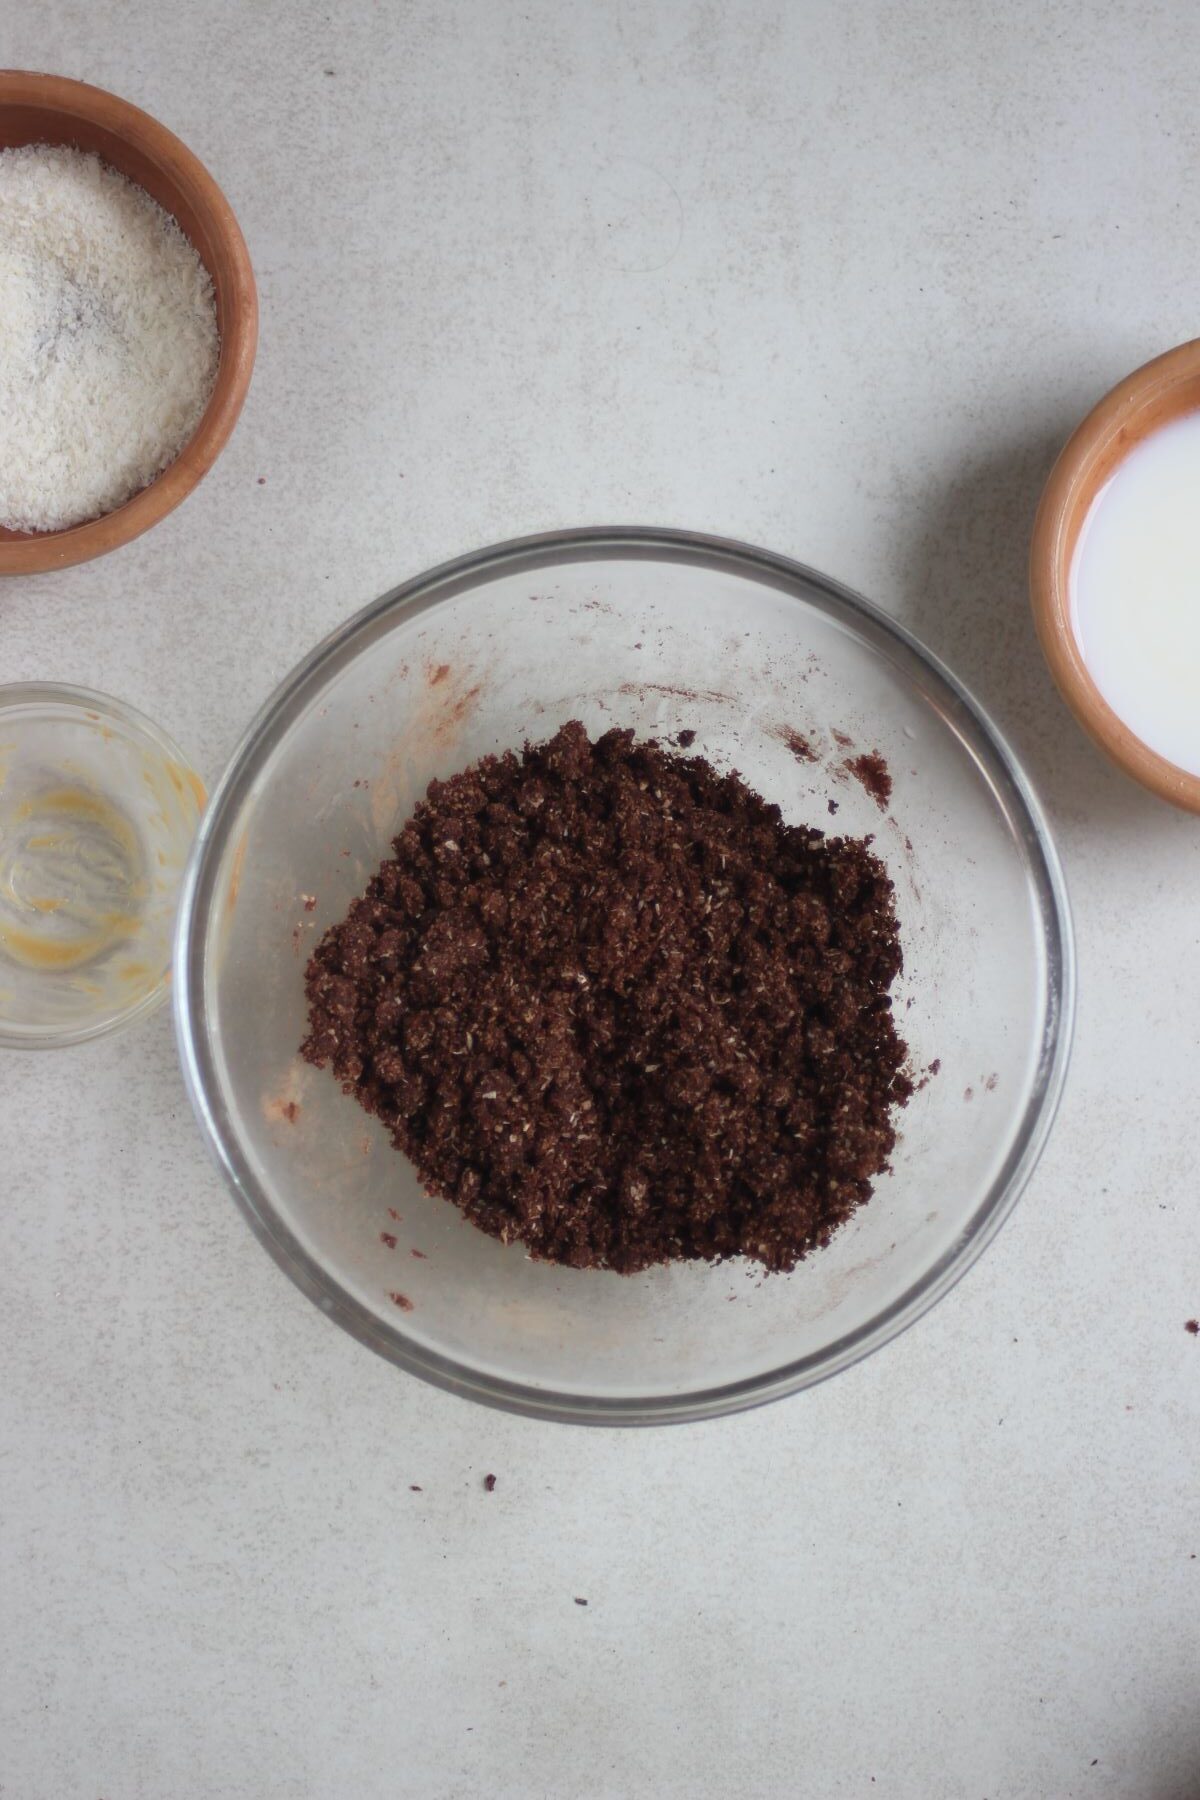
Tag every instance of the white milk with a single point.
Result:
(1135, 592)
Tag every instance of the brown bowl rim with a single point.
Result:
(47, 550)
(1138, 404)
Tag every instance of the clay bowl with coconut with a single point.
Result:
(51, 110)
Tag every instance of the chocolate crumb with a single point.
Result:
(685, 739)
(489, 1482)
(388, 1238)
(402, 1301)
(579, 1601)
(990, 1083)
(262, 481)
(1193, 1325)
(872, 771)
(615, 1009)
(847, 743)
(310, 902)
(968, 1094)
(420, 1254)
(832, 805)
(797, 743)
(935, 1067)
(414, 1489)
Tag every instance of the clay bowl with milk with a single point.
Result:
(1114, 561)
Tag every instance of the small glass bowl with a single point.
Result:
(98, 809)
(663, 632)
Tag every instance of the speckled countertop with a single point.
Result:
(834, 279)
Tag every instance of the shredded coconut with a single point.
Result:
(108, 338)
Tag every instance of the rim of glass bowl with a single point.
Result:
(21, 695)
(526, 554)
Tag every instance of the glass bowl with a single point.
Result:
(662, 631)
(98, 809)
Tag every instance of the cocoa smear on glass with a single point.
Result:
(872, 771)
(798, 744)
(613, 1007)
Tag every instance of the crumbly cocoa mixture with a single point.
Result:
(613, 1007)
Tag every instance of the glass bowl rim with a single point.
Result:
(519, 555)
(134, 726)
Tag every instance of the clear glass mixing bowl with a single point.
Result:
(660, 631)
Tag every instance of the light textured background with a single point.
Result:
(837, 279)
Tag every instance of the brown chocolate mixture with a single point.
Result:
(613, 1007)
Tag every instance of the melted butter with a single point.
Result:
(39, 952)
(187, 781)
(71, 873)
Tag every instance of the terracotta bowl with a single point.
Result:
(1154, 395)
(48, 109)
